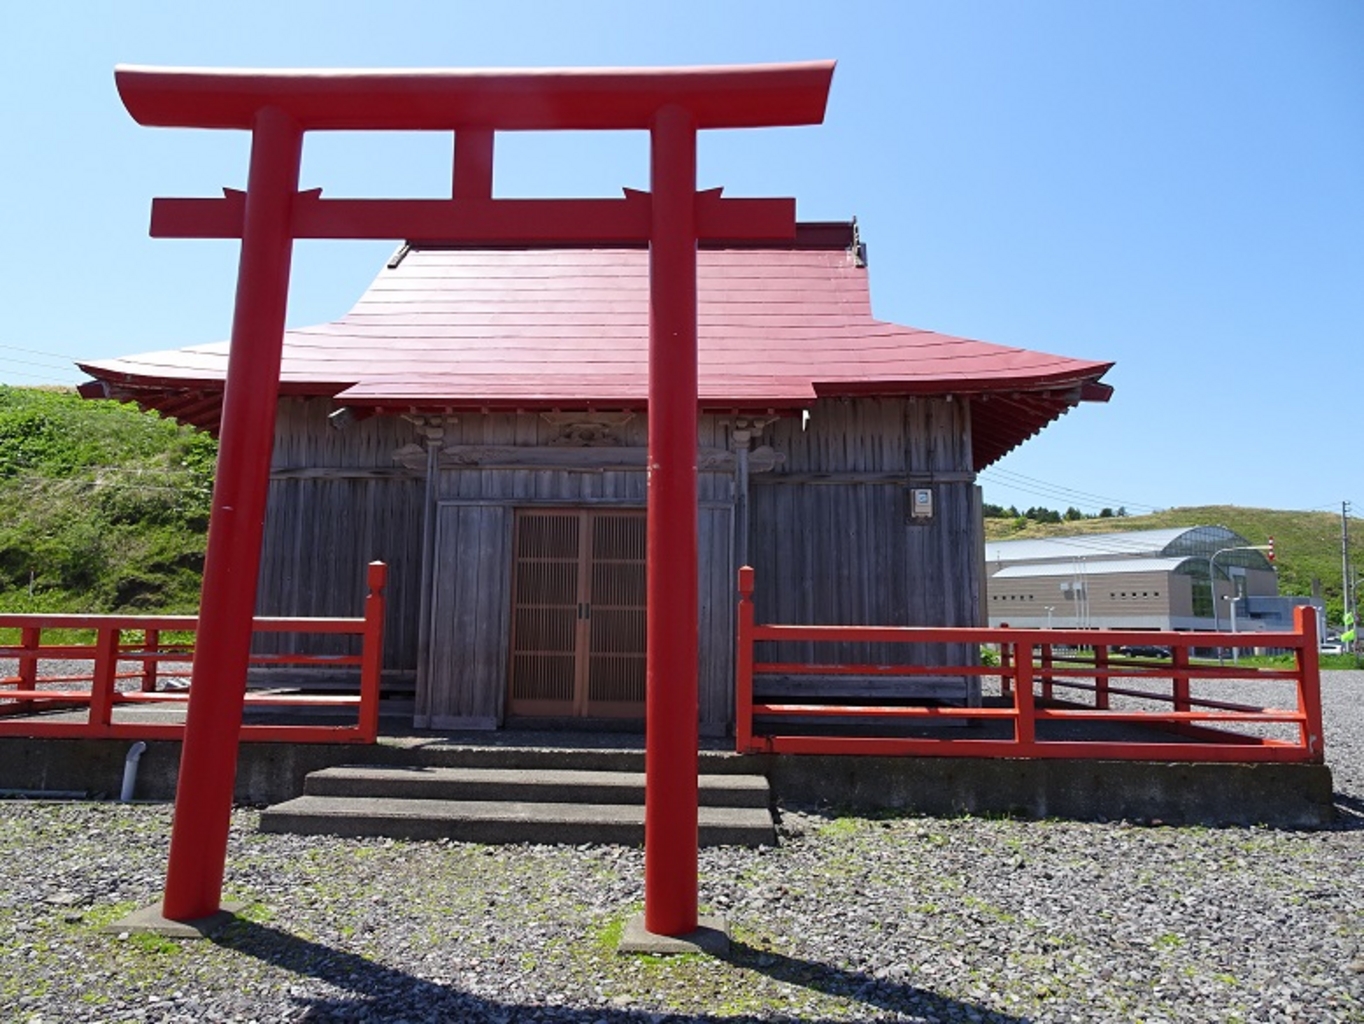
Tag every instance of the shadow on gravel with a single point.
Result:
(835, 981)
(1349, 813)
(379, 993)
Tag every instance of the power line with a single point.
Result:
(53, 363)
(1058, 492)
(35, 376)
(1022, 482)
(39, 352)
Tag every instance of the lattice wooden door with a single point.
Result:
(578, 614)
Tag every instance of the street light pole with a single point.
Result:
(1212, 585)
(1231, 600)
(1049, 610)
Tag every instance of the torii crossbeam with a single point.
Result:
(278, 107)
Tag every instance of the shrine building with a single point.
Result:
(478, 421)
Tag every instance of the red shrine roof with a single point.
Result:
(779, 328)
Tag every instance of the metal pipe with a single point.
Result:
(135, 753)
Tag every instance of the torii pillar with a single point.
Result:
(278, 107)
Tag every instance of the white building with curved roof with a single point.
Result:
(1142, 579)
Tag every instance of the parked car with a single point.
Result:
(1144, 651)
(1331, 647)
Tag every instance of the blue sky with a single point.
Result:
(1177, 187)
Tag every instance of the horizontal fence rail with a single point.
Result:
(126, 661)
(1062, 693)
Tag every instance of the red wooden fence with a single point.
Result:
(29, 698)
(1047, 678)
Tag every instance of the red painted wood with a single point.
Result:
(151, 640)
(100, 698)
(541, 99)
(1206, 723)
(1006, 673)
(890, 711)
(1309, 681)
(472, 178)
(1101, 677)
(796, 669)
(1025, 727)
(30, 639)
(373, 658)
(671, 702)
(900, 747)
(278, 106)
(105, 670)
(477, 222)
(208, 760)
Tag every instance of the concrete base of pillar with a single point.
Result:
(711, 937)
(149, 920)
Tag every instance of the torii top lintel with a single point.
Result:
(545, 99)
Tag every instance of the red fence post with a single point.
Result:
(372, 651)
(743, 665)
(30, 639)
(1025, 731)
(1006, 683)
(1101, 677)
(1180, 694)
(1309, 682)
(103, 678)
(208, 758)
(1046, 671)
(151, 644)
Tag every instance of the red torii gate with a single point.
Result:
(277, 107)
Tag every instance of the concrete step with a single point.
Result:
(503, 821)
(533, 785)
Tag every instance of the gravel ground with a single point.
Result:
(850, 918)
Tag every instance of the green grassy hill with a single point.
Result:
(102, 507)
(1307, 544)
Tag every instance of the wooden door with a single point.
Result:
(578, 614)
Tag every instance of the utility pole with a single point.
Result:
(1347, 620)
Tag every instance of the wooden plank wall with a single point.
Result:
(829, 536)
(831, 540)
(470, 635)
(471, 613)
(323, 529)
